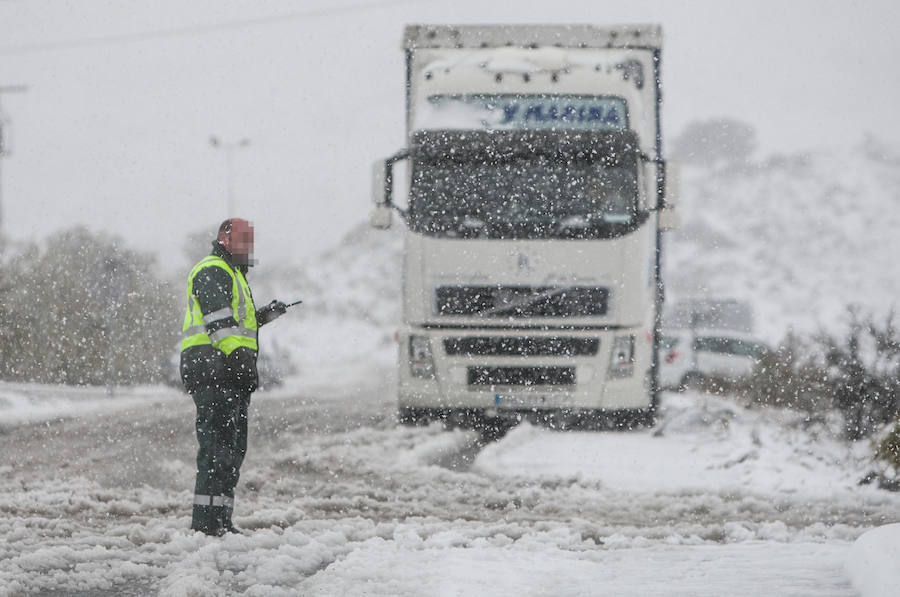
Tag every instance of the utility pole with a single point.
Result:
(113, 295)
(4, 139)
(230, 149)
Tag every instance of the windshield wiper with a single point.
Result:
(528, 301)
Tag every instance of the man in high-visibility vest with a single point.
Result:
(218, 368)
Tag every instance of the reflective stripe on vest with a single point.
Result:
(217, 315)
(242, 310)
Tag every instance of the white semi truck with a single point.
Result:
(533, 199)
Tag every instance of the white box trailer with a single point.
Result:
(534, 200)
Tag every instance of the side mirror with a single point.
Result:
(673, 185)
(383, 189)
(381, 196)
(380, 217)
(669, 219)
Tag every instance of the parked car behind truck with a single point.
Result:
(688, 358)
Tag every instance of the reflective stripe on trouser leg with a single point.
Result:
(214, 500)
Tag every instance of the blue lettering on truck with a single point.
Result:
(509, 111)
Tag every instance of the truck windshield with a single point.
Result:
(524, 184)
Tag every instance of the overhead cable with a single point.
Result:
(199, 29)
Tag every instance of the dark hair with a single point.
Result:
(225, 227)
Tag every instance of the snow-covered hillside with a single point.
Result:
(359, 278)
(351, 306)
(800, 237)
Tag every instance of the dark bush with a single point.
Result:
(889, 449)
(788, 377)
(861, 373)
(84, 310)
(857, 374)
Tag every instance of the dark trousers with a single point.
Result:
(222, 440)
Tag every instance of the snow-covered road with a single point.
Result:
(338, 500)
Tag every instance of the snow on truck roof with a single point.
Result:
(418, 37)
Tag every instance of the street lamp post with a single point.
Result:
(4, 140)
(229, 148)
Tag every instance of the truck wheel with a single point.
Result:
(645, 418)
(691, 380)
(492, 430)
(618, 420)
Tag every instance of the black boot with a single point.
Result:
(209, 520)
(229, 526)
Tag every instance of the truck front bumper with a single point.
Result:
(521, 370)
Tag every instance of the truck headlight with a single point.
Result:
(622, 362)
(421, 361)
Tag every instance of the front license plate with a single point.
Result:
(532, 400)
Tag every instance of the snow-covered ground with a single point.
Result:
(339, 500)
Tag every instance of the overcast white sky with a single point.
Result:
(123, 97)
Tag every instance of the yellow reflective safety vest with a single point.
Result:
(242, 309)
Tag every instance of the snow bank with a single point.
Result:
(380, 568)
(22, 403)
(702, 443)
(873, 563)
(331, 354)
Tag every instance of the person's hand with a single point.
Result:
(242, 372)
(270, 312)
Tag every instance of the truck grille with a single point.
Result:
(521, 301)
(521, 346)
(521, 376)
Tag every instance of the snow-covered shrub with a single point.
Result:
(862, 373)
(889, 450)
(857, 373)
(788, 377)
(84, 309)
